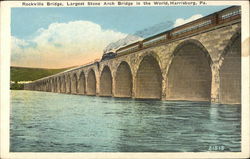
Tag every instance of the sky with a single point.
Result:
(65, 37)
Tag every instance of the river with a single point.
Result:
(52, 122)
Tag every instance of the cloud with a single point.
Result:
(63, 45)
(181, 21)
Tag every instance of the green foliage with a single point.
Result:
(31, 74)
(16, 86)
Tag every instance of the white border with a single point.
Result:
(5, 96)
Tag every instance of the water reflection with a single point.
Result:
(44, 122)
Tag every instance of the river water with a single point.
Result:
(51, 122)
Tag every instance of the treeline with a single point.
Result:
(16, 86)
(31, 74)
(18, 74)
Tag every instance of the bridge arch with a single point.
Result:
(43, 86)
(50, 85)
(91, 83)
(63, 84)
(40, 86)
(51, 82)
(47, 86)
(123, 80)
(105, 82)
(230, 71)
(54, 84)
(68, 84)
(149, 53)
(189, 75)
(74, 84)
(81, 83)
(148, 80)
(58, 82)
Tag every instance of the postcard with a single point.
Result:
(124, 79)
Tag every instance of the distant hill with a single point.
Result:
(31, 74)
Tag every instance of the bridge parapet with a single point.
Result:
(229, 14)
(199, 25)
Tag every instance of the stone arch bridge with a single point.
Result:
(198, 61)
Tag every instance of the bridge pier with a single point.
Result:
(215, 85)
(74, 84)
